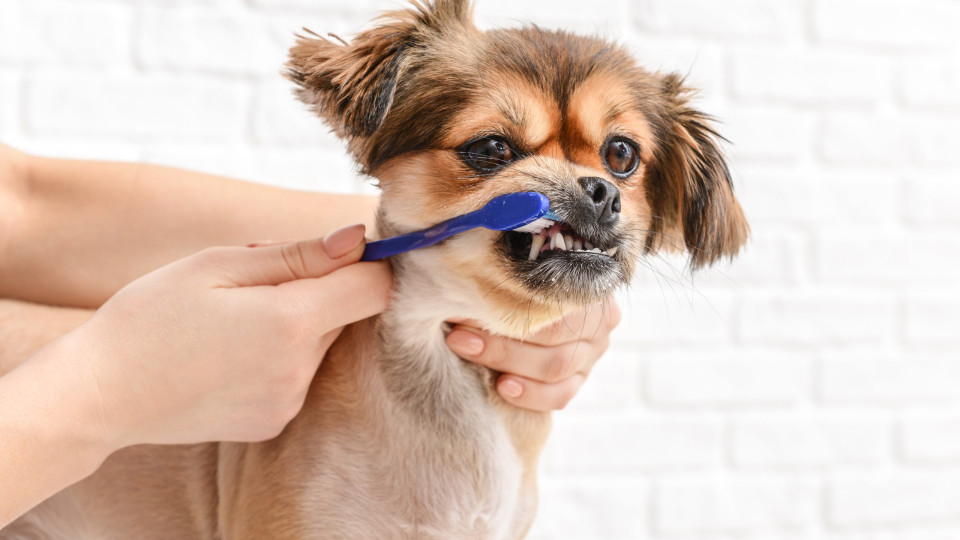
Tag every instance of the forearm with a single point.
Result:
(25, 328)
(87, 228)
(52, 434)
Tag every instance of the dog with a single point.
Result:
(398, 437)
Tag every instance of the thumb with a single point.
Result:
(279, 263)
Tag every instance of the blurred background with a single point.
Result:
(808, 390)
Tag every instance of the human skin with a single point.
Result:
(74, 232)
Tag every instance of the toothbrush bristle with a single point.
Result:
(537, 225)
(551, 216)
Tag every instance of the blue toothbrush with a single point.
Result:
(526, 212)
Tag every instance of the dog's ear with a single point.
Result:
(696, 191)
(351, 85)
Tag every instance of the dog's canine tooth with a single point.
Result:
(587, 245)
(568, 241)
(538, 240)
(558, 242)
(612, 251)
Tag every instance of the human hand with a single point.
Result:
(546, 370)
(223, 345)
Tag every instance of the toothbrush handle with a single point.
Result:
(381, 249)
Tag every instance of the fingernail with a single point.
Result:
(342, 241)
(510, 388)
(465, 342)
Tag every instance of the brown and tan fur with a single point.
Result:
(398, 437)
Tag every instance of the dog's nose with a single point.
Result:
(605, 197)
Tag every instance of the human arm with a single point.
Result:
(219, 346)
(74, 232)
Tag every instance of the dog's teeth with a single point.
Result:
(538, 240)
(587, 245)
(558, 242)
(568, 241)
(595, 250)
(612, 251)
(577, 244)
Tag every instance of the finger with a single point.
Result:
(538, 396)
(583, 324)
(280, 263)
(542, 363)
(265, 243)
(344, 296)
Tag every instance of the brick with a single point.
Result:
(734, 18)
(701, 64)
(770, 257)
(824, 440)
(360, 9)
(730, 378)
(66, 33)
(280, 118)
(861, 378)
(768, 133)
(614, 382)
(608, 16)
(933, 319)
(931, 83)
(864, 138)
(801, 195)
(894, 498)
(672, 310)
(888, 255)
(740, 504)
(930, 437)
(887, 23)
(621, 443)
(817, 317)
(809, 77)
(591, 507)
(12, 45)
(218, 41)
(319, 169)
(9, 103)
(935, 140)
(931, 198)
(131, 106)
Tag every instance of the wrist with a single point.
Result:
(74, 401)
(51, 433)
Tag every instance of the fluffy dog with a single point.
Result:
(399, 438)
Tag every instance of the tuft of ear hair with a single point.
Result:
(699, 196)
(351, 84)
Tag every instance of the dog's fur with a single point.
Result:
(399, 438)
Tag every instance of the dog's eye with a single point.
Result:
(621, 156)
(487, 154)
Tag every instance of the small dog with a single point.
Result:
(399, 438)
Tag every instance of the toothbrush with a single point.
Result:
(524, 212)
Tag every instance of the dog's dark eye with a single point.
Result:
(621, 156)
(487, 154)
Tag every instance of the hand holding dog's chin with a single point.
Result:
(223, 345)
(545, 371)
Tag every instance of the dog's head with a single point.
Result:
(448, 117)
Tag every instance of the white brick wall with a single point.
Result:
(809, 390)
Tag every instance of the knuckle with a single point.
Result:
(296, 259)
(561, 366)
